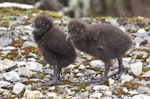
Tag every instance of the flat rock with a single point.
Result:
(11, 76)
(6, 64)
(127, 77)
(51, 95)
(29, 43)
(18, 88)
(147, 74)
(136, 68)
(4, 41)
(25, 72)
(32, 95)
(141, 96)
(100, 87)
(4, 83)
(34, 66)
(96, 96)
(97, 64)
(144, 90)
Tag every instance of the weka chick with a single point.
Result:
(102, 41)
(51, 42)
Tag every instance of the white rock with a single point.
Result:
(100, 87)
(136, 68)
(141, 96)
(11, 76)
(87, 56)
(6, 64)
(51, 88)
(34, 66)
(4, 41)
(51, 95)
(8, 48)
(122, 28)
(89, 71)
(97, 64)
(111, 81)
(107, 97)
(112, 21)
(25, 72)
(4, 83)
(147, 74)
(144, 90)
(125, 61)
(71, 66)
(1, 76)
(108, 93)
(127, 77)
(4, 91)
(80, 74)
(142, 30)
(29, 43)
(125, 89)
(18, 88)
(96, 95)
(148, 61)
(8, 4)
(82, 66)
(133, 92)
(32, 95)
(83, 95)
(80, 60)
(21, 63)
(31, 59)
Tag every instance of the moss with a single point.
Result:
(144, 42)
(17, 43)
(67, 71)
(145, 69)
(131, 85)
(44, 88)
(29, 49)
(13, 54)
(53, 14)
(147, 78)
(96, 69)
(43, 62)
(119, 92)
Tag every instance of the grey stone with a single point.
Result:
(146, 74)
(4, 83)
(6, 64)
(4, 41)
(34, 66)
(136, 68)
(29, 43)
(144, 90)
(51, 95)
(18, 88)
(32, 94)
(97, 64)
(11, 76)
(96, 95)
(100, 87)
(140, 96)
(25, 72)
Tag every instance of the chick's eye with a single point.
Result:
(77, 30)
(41, 26)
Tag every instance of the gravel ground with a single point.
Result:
(23, 70)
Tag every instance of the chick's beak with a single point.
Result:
(69, 36)
(35, 31)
